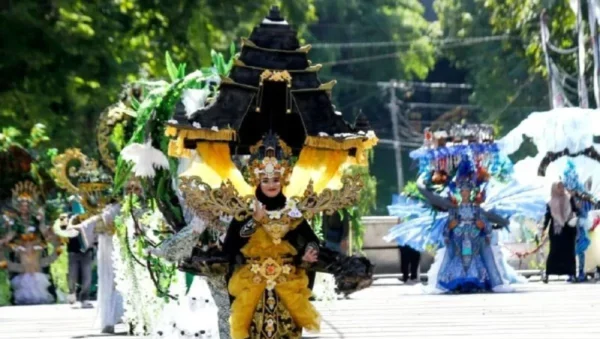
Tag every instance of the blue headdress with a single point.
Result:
(572, 183)
(466, 175)
(571, 178)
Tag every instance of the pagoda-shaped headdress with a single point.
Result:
(272, 88)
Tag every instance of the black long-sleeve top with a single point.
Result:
(548, 219)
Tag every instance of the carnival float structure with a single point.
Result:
(565, 139)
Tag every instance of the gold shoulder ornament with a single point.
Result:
(225, 200)
(330, 201)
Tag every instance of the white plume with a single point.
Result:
(146, 159)
(193, 100)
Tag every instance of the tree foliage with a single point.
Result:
(63, 62)
(408, 54)
(509, 75)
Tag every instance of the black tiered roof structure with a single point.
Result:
(272, 87)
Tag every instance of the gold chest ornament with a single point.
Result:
(277, 229)
(278, 223)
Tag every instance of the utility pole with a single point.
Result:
(394, 111)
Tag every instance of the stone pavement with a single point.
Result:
(388, 310)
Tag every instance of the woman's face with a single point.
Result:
(24, 207)
(558, 189)
(465, 194)
(271, 187)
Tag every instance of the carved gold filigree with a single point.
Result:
(27, 249)
(72, 171)
(94, 196)
(287, 150)
(271, 271)
(277, 229)
(329, 201)
(272, 164)
(202, 198)
(279, 76)
(66, 167)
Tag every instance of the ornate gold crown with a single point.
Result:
(270, 158)
(25, 191)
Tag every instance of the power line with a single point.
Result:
(363, 59)
(404, 84)
(438, 105)
(400, 53)
(359, 100)
(408, 144)
(446, 41)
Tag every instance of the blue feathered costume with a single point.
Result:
(468, 257)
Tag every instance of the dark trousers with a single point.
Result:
(80, 269)
(409, 261)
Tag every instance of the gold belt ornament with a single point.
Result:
(270, 271)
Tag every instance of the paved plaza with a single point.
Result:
(388, 310)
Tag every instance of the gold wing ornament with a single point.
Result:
(330, 201)
(225, 200)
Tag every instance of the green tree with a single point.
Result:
(407, 54)
(64, 61)
(509, 75)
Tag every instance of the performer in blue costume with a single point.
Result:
(468, 264)
(585, 202)
(424, 219)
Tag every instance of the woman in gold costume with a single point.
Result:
(272, 99)
(268, 254)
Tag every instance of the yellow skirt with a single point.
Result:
(277, 313)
